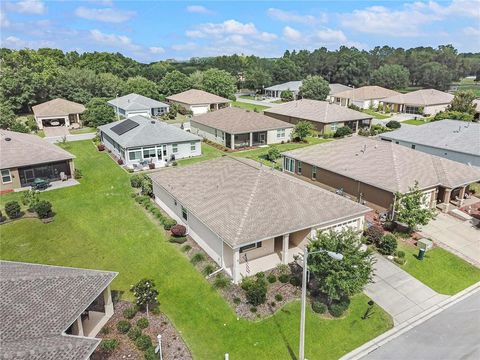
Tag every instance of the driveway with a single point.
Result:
(55, 131)
(457, 236)
(399, 293)
(78, 137)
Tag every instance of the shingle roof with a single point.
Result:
(424, 97)
(367, 93)
(37, 305)
(149, 132)
(454, 135)
(136, 102)
(18, 149)
(319, 111)
(336, 88)
(197, 97)
(385, 165)
(58, 107)
(291, 85)
(242, 201)
(236, 121)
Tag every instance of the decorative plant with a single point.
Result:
(145, 293)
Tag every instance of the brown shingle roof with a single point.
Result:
(18, 149)
(318, 111)
(424, 97)
(197, 97)
(385, 165)
(236, 121)
(367, 93)
(242, 201)
(58, 107)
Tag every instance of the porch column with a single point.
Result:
(286, 240)
(446, 199)
(80, 326)
(67, 121)
(236, 266)
(232, 145)
(461, 196)
(107, 300)
(251, 139)
(78, 120)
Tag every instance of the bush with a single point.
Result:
(284, 278)
(77, 174)
(354, 107)
(44, 209)
(123, 326)
(319, 307)
(387, 245)
(392, 124)
(169, 223)
(342, 132)
(120, 162)
(236, 300)
(337, 309)
(273, 153)
(12, 209)
(186, 248)
(134, 333)
(273, 304)
(109, 345)
(149, 354)
(373, 234)
(399, 260)
(255, 290)
(253, 309)
(101, 147)
(389, 225)
(147, 187)
(278, 297)
(271, 278)
(208, 269)
(130, 312)
(142, 323)
(221, 281)
(401, 254)
(178, 230)
(177, 240)
(197, 258)
(143, 342)
(105, 330)
(295, 280)
(136, 180)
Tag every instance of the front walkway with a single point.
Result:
(399, 293)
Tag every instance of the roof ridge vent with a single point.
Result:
(8, 139)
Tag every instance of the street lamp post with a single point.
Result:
(333, 255)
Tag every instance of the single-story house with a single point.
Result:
(58, 112)
(275, 91)
(139, 141)
(52, 312)
(451, 139)
(372, 171)
(237, 128)
(336, 88)
(248, 217)
(199, 101)
(364, 97)
(134, 104)
(324, 116)
(476, 102)
(25, 157)
(424, 102)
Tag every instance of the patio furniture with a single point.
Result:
(40, 184)
(63, 176)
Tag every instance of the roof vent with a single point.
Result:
(152, 122)
(8, 139)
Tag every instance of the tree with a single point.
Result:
(339, 278)
(98, 113)
(286, 95)
(257, 77)
(273, 153)
(434, 75)
(174, 82)
(196, 79)
(315, 88)
(145, 293)
(302, 130)
(140, 85)
(219, 82)
(412, 208)
(7, 116)
(463, 102)
(391, 76)
(285, 70)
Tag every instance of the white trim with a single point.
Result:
(9, 175)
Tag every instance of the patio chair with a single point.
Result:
(63, 176)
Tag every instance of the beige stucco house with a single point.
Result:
(198, 101)
(424, 102)
(58, 112)
(364, 97)
(248, 217)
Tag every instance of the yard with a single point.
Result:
(98, 225)
(375, 114)
(415, 122)
(82, 130)
(248, 106)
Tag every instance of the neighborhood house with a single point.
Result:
(198, 101)
(336, 88)
(140, 141)
(372, 171)
(58, 112)
(236, 128)
(364, 97)
(134, 104)
(25, 157)
(248, 217)
(423, 102)
(52, 312)
(275, 91)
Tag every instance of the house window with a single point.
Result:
(334, 127)
(289, 165)
(299, 169)
(314, 172)
(184, 213)
(135, 155)
(280, 133)
(148, 153)
(174, 148)
(193, 146)
(6, 176)
(216, 133)
(250, 247)
(413, 146)
(223, 135)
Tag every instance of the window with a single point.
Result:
(216, 133)
(280, 133)
(299, 169)
(148, 153)
(223, 135)
(314, 172)
(6, 176)
(174, 148)
(334, 127)
(184, 213)
(289, 164)
(413, 146)
(251, 247)
(193, 146)
(135, 154)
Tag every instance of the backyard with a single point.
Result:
(98, 225)
(375, 114)
(247, 106)
(415, 122)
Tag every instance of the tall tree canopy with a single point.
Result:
(391, 76)
(315, 88)
(219, 82)
(141, 86)
(174, 82)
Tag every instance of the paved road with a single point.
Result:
(77, 137)
(454, 334)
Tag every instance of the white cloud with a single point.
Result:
(198, 9)
(194, 34)
(28, 7)
(4, 22)
(108, 15)
(119, 41)
(227, 28)
(290, 34)
(289, 16)
(156, 50)
(331, 36)
(471, 31)
(266, 36)
(17, 43)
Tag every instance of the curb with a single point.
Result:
(396, 331)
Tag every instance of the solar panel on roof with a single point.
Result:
(124, 126)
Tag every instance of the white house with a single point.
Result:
(58, 112)
(198, 101)
(363, 97)
(139, 141)
(134, 104)
(276, 90)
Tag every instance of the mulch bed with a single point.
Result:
(173, 346)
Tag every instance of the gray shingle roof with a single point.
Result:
(318, 111)
(136, 102)
(58, 107)
(385, 165)
(243, 201)
(424, 97)
(149, 132)
(367, 93)
(37, 305)
(197, 97)
(451, 135)
(291, 85)
(26, 149)
(236, 121)
(336, 88)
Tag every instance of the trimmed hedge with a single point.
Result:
(319, 307)
(130, 312)
(177, 240)
(123, 326)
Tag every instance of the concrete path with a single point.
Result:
(77, 137)
(55, 131)
(399, 293)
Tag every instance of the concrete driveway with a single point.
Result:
(457, 236)
(55, 131)
(399, 293)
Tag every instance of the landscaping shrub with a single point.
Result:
(236, 300)
(12, 209)
(30, 198)
(342, 132)
(400, 260)
(283, 269)
(273, 304)
(284, 278)
(143, 342)
(136, 180)
(134, 333)
(77, 174)
(319, 307)
(387, 245)
(149, 354)
(108, 345)
(178, 230)
(44, 209)
(337, 309)
(186, 248)
(105, 330)
(392, 124)
(101, 147)
(271, 278)
(295, 280)
(142, 323)
(389, 225)
(278, 297)
(373, 234)
(129, 313)
(197, 258)
(208, 269)
(177, 240)
(221, 281)
(255, 290)
(123, 326)
(120, 162)
(273, 153)
(147, 187)
(253, 309)
(169, 223)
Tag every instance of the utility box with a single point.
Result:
(425, 244)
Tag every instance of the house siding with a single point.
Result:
(294, 120)
(12, 185)
(208, 132)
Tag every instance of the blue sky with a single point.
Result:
(157, 30)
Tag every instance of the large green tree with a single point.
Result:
(391, 76)
(302, 129)
(463, 102)
(140, 85)
(174, 82)
(435, 75)
(98, 113)
(7, 116)
(219, 82)
(285, 70)
(315, 88)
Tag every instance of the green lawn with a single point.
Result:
(98, 225)
(208, 152)
(248, 97)
(247, 106)
(375, 114)
(414, 122)
(440, 269)
(83, 130)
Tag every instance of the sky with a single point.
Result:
(157, 30)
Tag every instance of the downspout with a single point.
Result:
(393, 208)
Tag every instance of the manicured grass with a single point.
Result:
(247, 106)
(248, 97)
(414, 122)
(375, 114)
(279, 101)
(440, 269)
(40, 133)
(83, 130)
(208, 152)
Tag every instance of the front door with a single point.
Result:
(29, 175)
(262, 138)
(278, 244)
